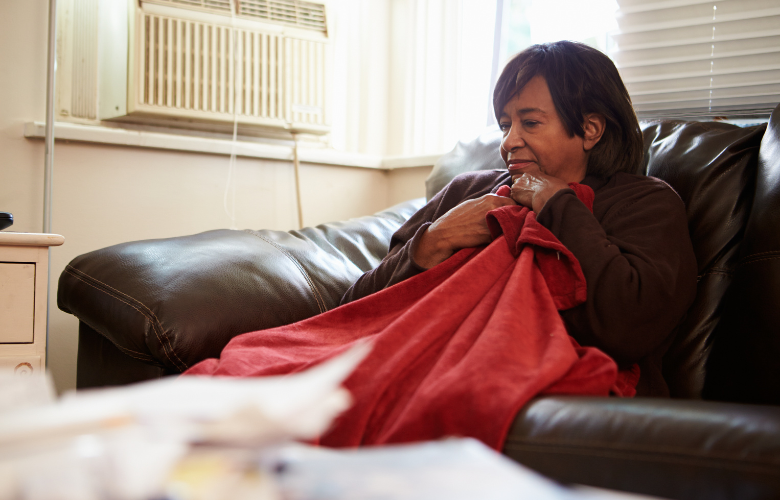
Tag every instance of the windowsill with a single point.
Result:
(172, 141)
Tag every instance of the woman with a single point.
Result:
(567, 117)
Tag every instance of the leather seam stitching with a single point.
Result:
(156, 326)
(126, 350)
(70, 271)
(715, 271)
(751, 259)
(768, 252)
(317, 297)
(133, 354)
(155, 322)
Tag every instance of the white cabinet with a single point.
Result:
(24, 274)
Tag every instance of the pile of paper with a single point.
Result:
(130, 442)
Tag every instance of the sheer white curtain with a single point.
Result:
(410, 77)
(358, 79)
(441, 57)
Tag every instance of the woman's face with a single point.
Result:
(534, 135)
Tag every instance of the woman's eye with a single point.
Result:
(504, 127)
(530, 123)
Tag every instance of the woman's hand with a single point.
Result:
(533, 188)
(462, 227)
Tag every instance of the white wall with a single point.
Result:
(109, 194)
(22, 98)
(406, 183)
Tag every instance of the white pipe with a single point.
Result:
(296, 164)
(49, 147)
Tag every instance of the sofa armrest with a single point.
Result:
(176, 301)
(669, 448)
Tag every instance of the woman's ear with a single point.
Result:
(594, 126)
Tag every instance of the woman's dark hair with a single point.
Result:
(581, 80)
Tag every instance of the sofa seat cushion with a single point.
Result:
(668, 448)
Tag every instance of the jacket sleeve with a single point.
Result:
(399, 265)
(638, 263)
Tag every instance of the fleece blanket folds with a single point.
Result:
(457, 350)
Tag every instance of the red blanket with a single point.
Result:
(457, 350)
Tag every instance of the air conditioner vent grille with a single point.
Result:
(186, 69)
(218, 6)
(298, 13)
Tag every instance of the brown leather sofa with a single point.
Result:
(153, 308)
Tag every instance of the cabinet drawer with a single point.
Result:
(17, 302)
(20, 365)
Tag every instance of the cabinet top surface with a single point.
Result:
(30, 239)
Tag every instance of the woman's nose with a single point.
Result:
(513, 140)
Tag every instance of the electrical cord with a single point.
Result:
(230, 183)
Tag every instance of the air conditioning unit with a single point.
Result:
(194, 63)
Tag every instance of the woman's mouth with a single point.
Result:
(518, 166)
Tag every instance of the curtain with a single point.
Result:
(441, 57)
(410, 77)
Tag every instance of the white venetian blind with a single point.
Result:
(698, 58)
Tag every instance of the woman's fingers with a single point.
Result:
(465, 225)
(533, 188)
(462, 227)
(523, 190)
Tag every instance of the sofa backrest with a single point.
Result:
(467, 156)
(712, 166)
(744, 364)
(731, 195)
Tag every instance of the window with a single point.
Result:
(700, 59)
(689, 59)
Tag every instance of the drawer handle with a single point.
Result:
(23, 369)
